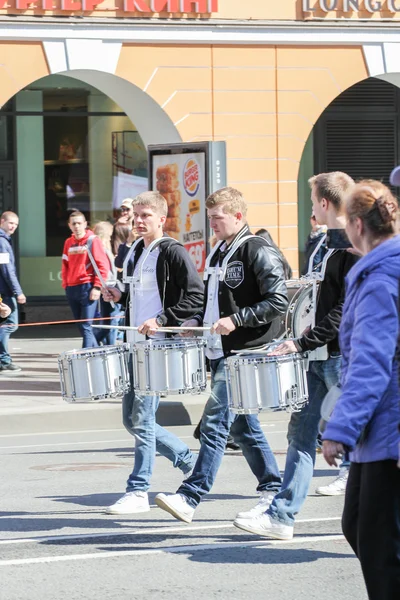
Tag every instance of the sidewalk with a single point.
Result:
(31, 402)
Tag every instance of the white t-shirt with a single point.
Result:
(214, 348)
(145, 301)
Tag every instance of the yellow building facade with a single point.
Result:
(256, 74)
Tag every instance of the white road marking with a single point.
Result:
(93, 442)
(12, 435)
(58, 444)
(188, 549)
(78, 432)
(126, 531)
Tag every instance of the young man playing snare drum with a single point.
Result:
(328, 191)
(240, 304)
(169, 292)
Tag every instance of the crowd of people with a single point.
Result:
(356, 322)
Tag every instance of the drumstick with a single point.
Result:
(159, 329)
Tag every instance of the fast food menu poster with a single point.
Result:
(180, 178)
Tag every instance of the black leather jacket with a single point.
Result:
(253, 293)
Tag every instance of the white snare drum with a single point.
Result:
(170, 366)
(94, 373)
(256, 382)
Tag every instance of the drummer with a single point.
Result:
(245, 291)
(328, 192)
(170, 292)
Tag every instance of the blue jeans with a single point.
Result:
(302, 433)
(246, 430)
(8, 327)
(108, 337)
(139, 418)
(83, 308)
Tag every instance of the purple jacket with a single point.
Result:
(367, 415)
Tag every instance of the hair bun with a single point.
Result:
(387, 208)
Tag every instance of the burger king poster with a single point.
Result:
(181, 179)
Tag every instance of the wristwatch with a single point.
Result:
(159, 321)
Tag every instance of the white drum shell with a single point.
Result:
(169, 366)
(258, 382)
(94, 373)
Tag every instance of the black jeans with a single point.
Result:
(371, 525)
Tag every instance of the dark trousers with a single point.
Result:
(371, 525)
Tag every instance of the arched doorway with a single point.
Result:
(76, 139)
(358, 133)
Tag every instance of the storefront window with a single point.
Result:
(75, 149)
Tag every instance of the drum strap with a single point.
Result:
(222, 269)
(125, 277)
(138, 279)
(311, 259)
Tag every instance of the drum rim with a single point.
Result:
(98, 351)
(294, 356)
(293, 308)
(169, 343)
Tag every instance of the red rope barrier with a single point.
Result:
(65, 322)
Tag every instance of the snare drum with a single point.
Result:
(94, 373)
(169, 366)
(257, 382)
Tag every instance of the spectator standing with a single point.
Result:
(107, 337)
(79, 279)
(10, 290)
(126, 209)
(120, 235)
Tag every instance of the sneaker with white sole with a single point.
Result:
(130, 504)
(176, 505)
(263, 504)
(337, 487)
(266, 526)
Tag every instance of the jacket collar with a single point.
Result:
(244, 231)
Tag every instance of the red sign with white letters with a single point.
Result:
(146, 7)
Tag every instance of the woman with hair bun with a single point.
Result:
(366, 417)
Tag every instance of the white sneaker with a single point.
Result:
(265, 526)
(263, 504)
(176, 505)
(337, 487)
(131, 503)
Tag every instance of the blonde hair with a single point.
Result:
(103, 230)
(332, 186)
(373, 203)
(153, 200)
(231, 200)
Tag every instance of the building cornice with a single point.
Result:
(200, 31)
